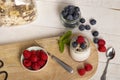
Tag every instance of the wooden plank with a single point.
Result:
(107, 21)
(10, 54)
(94, 3)
(106, 18)
(113, 72)
(48, 25)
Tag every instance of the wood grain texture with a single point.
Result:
(94, 3)
(10, 54)
(48, 24)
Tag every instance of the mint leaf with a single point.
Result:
(66, 35)
(61, 46)
(66, 41)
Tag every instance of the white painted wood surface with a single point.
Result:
(48, 24)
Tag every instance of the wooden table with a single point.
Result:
(106, 12)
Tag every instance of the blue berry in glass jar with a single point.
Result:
(75, 16)
(77, 9)
(70, 16)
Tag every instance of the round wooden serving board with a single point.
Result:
(10, 54)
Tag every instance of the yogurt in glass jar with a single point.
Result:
(79, 48)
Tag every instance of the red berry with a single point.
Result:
(81, 71)
(26, 54)
(33, 52)
(39, 53)
(80, 39)
(102, 48)
(101, 42)
(44, 56)
(88, 67)
(41, 63)
(27, 63)
(35, 66)
(34, 58)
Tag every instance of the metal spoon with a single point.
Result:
(110, 55)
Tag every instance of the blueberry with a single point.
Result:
(82, 20)
(70, 17)
(77, 9)
(95, 40)
(92, 21)
(74, 44)
(71, 11)
(83, 45)
(95, 33)
(81, 27)
(70, 7)
(87, 27)
(75, 16)
(64, 13)
(66, 9)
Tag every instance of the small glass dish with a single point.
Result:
(34, 49)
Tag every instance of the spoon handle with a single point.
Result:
(103, 77)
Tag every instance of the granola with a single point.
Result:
(12, 13)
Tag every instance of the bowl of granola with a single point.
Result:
(17, 12)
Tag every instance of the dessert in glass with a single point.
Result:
(17, 12)
(79, 48)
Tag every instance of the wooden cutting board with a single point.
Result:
(11, 53)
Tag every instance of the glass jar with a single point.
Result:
(70, 16)
(17, 12)
(80, 52)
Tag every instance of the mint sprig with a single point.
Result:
(64, 39)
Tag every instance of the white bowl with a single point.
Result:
(30, 49)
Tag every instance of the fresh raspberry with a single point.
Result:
(26, 54)
(33, 52)
(102, 48)
(80, 39)
(44, 56)
(35, 66)
(38, 53)
(41, 63)
(81, 71)
(88, 67)
(34, 58)
(27, 63)
(101, 42)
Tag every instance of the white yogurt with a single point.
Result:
(79, 55)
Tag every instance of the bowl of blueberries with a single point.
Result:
(70, 16)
